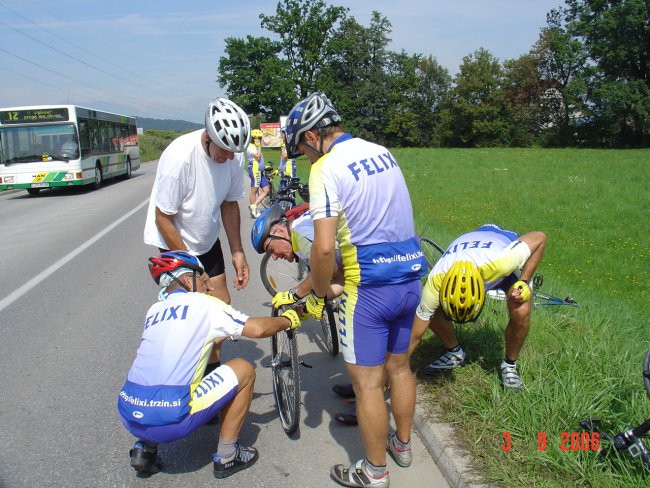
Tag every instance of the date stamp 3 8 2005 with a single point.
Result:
(566, 441)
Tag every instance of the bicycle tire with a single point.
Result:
(280, 274)
(432, 252)
(285, 368)
(646, 372)
(330, 330)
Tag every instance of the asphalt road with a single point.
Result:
(73, 295)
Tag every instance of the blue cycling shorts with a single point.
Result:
(260, 181)
(375, 320)
(214, 392)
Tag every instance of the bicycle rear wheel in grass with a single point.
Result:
(431, 249)
(286, 377)
(330, 332)
(280, 274)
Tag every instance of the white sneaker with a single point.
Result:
(510, 377)
(253, 211)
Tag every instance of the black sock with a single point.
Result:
(456, 348)
(509, 361)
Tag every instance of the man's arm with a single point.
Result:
(232, 225)
(169, 232)
(322, 255)
(536, 242)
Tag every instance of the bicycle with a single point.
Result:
(279, 274)
(285, 194)
(285, 369)
(631, 440)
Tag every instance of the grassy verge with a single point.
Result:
(577, 363)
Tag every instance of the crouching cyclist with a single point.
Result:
(281, 238)
(489, 258)
(168, 393)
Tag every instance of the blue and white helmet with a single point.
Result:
(314, 112)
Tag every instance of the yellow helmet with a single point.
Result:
(257, 134)
(462, 292)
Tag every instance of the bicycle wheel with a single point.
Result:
(279, 274)
(431, 249)
(330, 331)
(286, 377)
(646, 372)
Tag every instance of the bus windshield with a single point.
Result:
(29, 144)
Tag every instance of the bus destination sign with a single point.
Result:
(34, 116)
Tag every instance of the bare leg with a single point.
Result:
(368, 383)
(517, 328)
(402, 393)
(234, 414)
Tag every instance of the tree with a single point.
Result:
(475, 114)
(560, 61)
(433, 85)
(616, 37)
(254, 76)
(305, 28)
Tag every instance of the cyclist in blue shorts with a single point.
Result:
(168, 393)
(489, 258)
(358, 198)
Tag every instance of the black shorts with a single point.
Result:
(507, 282)
(212, 260)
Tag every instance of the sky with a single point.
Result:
(159, 58)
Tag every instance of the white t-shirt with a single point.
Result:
(191, 187)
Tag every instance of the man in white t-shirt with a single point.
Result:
(198, 183)
(199, 180)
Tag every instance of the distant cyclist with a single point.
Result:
(489, 258)
(281, 238)
(167, 395)
(259, 184)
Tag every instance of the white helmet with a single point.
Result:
(228, 125)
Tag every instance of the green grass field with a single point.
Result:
(577, 363)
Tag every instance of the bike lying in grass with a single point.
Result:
(631, 440)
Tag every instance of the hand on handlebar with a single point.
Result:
(314, 306)
(285, 298)
(294, 318)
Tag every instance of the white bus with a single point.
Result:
(64, 145)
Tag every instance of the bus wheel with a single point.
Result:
(98, 177)
(33, 191)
